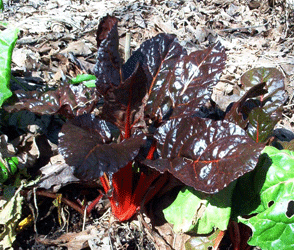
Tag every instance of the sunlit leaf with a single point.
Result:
(8, 39)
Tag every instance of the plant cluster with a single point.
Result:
(157, 117)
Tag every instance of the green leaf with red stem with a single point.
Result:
(259, 109)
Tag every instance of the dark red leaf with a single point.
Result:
(176, 80)
(105, 26)
(260, 108)
(69, 100)
(204, 154)
(123, 104)
(274, 79)
(156, 56)
(108, 65)
(239, 111)
(193, 77)
(82, 142)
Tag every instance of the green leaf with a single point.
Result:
(199, 212)
(261, 124)
(8, 167)
(1, 5)
(88, 80)
(273, 225)
(8, 39)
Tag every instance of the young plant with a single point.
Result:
(153, 120)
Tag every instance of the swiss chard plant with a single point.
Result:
(155, 119)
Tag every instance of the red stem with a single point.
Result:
(94, 202)
(235, 234)
(218, 239)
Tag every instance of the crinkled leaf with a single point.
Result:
(273, 225)
(264, 97)
(177, 81)
(122, 96)
(158, 56)
(198, 212)
(204, 154)
(238, 112)
(274, 79)
(68, 99)
(108, 65)
(193, 77)
(8, 39)
(55, 176)
(85, 144)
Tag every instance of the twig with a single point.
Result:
(128, 46)
(84, 219)
(64, 200)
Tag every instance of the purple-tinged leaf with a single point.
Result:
(274, 79)
(178, 81)
(259, 110)
(85, 143)
(158, 57)
(175, 81)
(239, 111)
(204, 154)
(68, 100)
(108, 65)
(123, 104)
(193, 77)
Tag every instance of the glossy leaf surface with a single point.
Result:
(261, 124)
(158, 56)
(8, 39)
(180, 82)
(204, 154)
(108, 65)
(193, 78)
(174, 80)
(274, 79)
(68, 100)
(273, 225)
(98, 154)
(263, 96)
(238, 112)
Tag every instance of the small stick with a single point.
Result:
(64, 200)
(128, 46)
